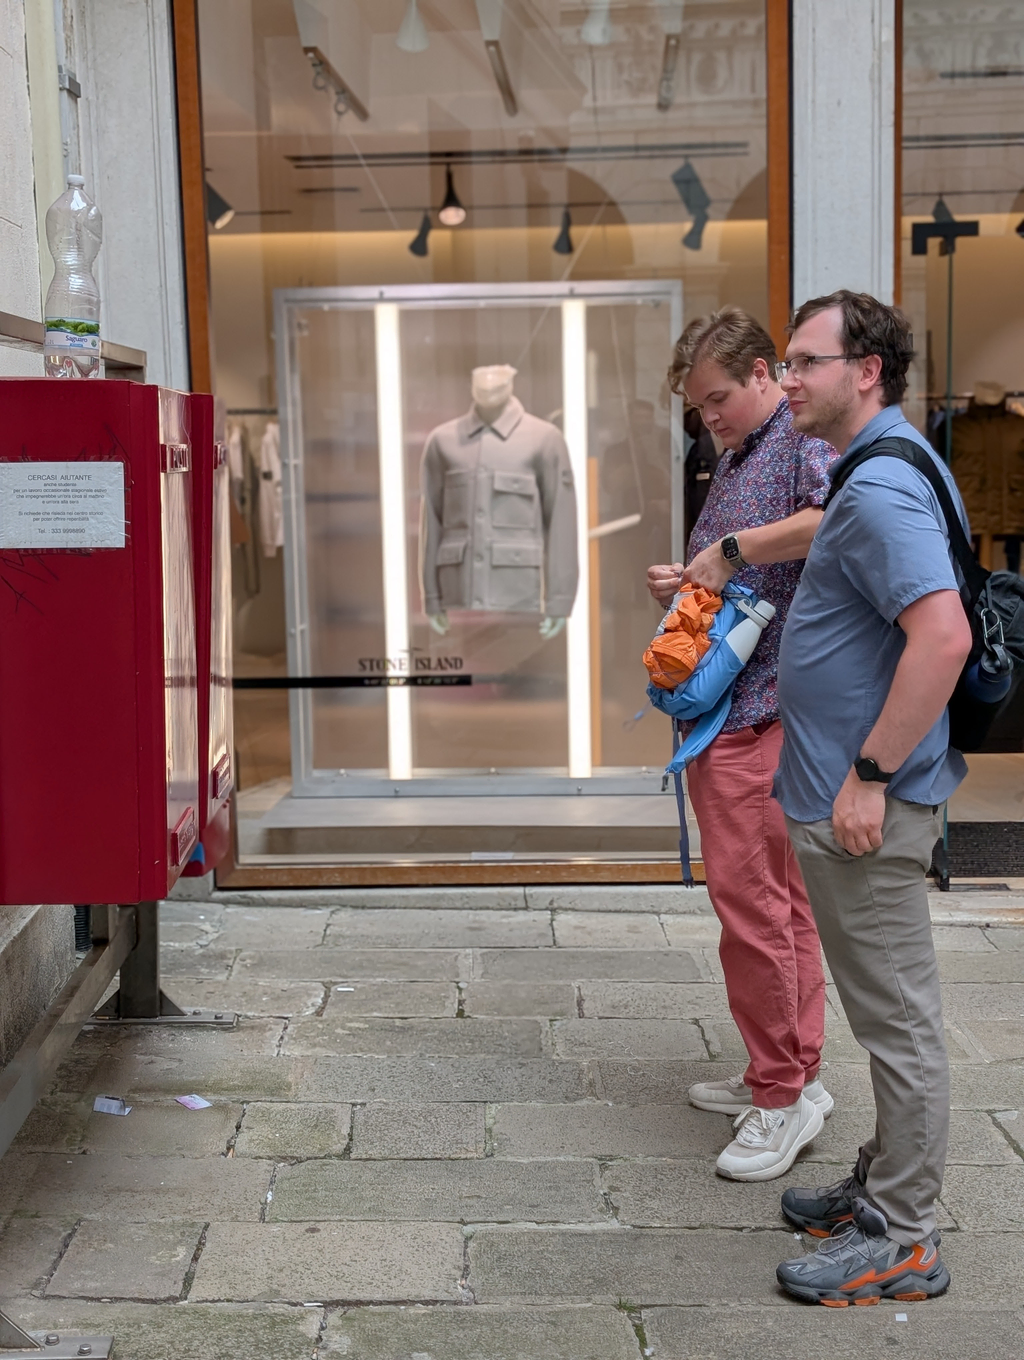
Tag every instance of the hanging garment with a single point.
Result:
(498, 528)
(987, 461)
(271, 497)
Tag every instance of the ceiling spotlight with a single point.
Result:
(696, 200)
(412, 36)
(452, 213)
(597, 27)
(418, 245)
(219, 211)
(563, 244)
(941, 212)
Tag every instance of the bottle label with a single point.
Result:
(78, 336)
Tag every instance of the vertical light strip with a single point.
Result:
(391, 447)
(577, 632)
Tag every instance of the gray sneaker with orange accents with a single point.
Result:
(859, 1264)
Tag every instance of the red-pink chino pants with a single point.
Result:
(770, 952)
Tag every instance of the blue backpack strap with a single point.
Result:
(684, 835)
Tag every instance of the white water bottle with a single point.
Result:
(74, 231)
(744, 636)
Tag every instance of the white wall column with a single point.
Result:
(843, 78)
(19, 245)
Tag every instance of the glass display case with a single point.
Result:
(465, 584)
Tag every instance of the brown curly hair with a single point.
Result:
(868, 327)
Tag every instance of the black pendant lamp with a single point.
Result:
(452, 213)
(418, 245)
(563, 243)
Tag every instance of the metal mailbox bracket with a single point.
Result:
(16, 1344)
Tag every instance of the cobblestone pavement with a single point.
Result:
(461, 1133)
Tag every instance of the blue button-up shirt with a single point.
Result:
(880, 546)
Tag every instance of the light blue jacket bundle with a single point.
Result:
(706, 697)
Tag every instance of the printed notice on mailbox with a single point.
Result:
(62, 505)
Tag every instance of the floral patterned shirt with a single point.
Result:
(774, 473)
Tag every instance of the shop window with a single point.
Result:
(439, 643)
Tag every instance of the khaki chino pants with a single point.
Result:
(875, 928)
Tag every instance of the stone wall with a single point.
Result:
(37, 956)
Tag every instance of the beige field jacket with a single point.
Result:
(498, 529)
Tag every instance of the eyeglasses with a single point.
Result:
(802, 364)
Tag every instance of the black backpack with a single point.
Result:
(993, 600)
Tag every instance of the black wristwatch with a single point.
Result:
(731, 551)
(867, 770)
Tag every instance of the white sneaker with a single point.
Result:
(767, 1141)
(722, 1097)
(732, 1096)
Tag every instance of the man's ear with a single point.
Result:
(760, 374)
(871, 373)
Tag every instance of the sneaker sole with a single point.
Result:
(770, 1173)
(913, 1287)
(826, 1106)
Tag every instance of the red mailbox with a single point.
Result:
(211, 530)
(99, 761)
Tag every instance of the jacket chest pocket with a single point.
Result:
(514, 501)
(457, 503)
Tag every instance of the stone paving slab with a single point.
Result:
(619, 897)
(401, 929)
(388, 1130)
(601, 1130)
(939, 1330)
(996, 1038)
(468, 1078)
(962, 939)
(126, 1261)
(1005, 966)
(134, 1189)
(641, 1081)
(488, 1191)
(250, 996)
(567, 964)
(251, 1036)
(212, 962)
(163, 1130)
(281, 1130)
(394, 1000)
(684, 932)
(608, 930)
(688, 1194)
(976, 1001)
(182, 1331)
(639, 1266)
(974, 1138)
(986, 1266)
(327, 964)
(628, 1039)
(547, 999)
(1006, 937)
(988, 1086)
(330, 1262)
(29, 1250)
(653, 1000)
(272, 927)
(482, 1333)
(210, 1075)
(336, 1035)
(985, 1197)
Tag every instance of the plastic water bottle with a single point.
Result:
(986, 685)
(74, 230)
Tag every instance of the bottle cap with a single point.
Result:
(76, 181)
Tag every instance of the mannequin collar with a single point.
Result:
(503, 426)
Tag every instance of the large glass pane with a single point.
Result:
(963, 162)
(581, 144)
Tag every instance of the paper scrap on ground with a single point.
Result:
(193, 1102)
(110, 1105)
(901, 1317)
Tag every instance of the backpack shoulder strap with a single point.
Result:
(974, 574)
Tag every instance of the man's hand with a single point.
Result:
(663, 582)
(857, 815)
(710, 569)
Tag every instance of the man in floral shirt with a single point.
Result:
(757, 525)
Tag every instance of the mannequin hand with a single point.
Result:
(551, 627)
(663, 582)
(439, 622)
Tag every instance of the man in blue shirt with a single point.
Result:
(874, 643)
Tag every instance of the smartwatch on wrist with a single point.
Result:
(868, 771)
(731, 552)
